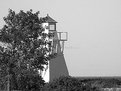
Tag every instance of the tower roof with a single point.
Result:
(50, 20)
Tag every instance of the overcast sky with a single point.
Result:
(94, 27)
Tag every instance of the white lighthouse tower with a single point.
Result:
(57, 66)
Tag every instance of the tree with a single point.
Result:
(25, 47)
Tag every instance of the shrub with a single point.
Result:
(68, 84)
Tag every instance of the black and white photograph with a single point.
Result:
(60, 45)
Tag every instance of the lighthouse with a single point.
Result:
(57, 66)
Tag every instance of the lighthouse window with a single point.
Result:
(52, 27)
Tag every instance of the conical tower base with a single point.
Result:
(58, 67)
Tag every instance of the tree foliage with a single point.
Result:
(24, 46)
(28, 83)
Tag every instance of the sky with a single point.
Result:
(94, 32)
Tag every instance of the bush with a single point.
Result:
(68, 84)
(80, 84)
